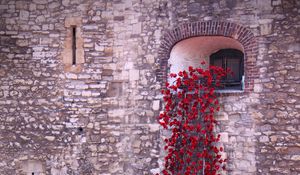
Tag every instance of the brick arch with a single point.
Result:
(210, 28)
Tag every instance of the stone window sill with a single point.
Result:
(229, 91)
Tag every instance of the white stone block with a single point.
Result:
(134, 74)
(153, 127)
(156, 105)
(50, 138)
(224, 137)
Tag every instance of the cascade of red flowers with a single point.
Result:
(190, 104)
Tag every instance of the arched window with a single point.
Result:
(191, 43)
(232, 59)
(214, 50)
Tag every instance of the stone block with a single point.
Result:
(99, 48)
(114, 89)
(243, 165)
(86, 93)
(3, 7)
(115, 113)
(134, 74)
(50, 138)
(40, 1)
(71, 76)
(153, 127)
(295, 157)
(258, 87)
(150, 59)
(22, 43)
(276, 2)
(30, 167)
(137, 28)
(107, 72)
(24, 15)
(32, 7)
(136, 144)
(224, 137)
(221, 116)
(228, 107)
(265, 5)
(21, 5)
(54, 5)
(265, 26)
(263, 139)
(65, 2)
(295, 47)
(81, 86)
(156, 105)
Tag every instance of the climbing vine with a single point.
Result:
(190, 104)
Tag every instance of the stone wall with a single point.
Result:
(99, 117)
(278, 113)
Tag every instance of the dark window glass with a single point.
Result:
(230, 59)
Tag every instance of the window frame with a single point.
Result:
(225, 55)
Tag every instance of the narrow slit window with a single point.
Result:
(73, 45)
(73, 52)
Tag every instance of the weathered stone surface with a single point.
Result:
(99, 115)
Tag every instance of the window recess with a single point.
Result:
(73, 52)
